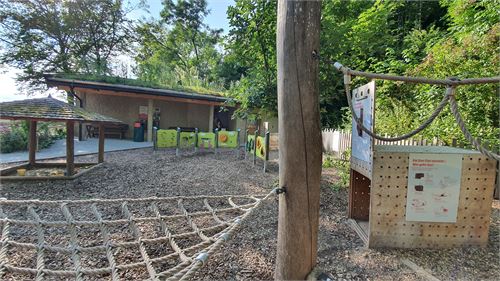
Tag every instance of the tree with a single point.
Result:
(40, 36)
(251, 39)
(179, 48)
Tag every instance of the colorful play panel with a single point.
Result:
(258, 146)
(166, 138)
(182, 140)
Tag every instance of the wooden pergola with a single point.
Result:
(53, 110)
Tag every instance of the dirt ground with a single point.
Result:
(250, 254)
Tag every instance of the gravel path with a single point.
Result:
(250, 255)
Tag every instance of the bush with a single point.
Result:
(16, 138)
(342, 167)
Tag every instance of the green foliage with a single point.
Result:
(341, 166)
(40, 36)
(252, 40)
(16, 138)
(180, 50)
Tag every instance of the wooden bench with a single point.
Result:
(111, 130)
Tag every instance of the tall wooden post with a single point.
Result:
(101, 143)
(149, 136)
(300, 138)
(70, 148)
(32, 143)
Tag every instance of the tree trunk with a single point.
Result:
(300, 137)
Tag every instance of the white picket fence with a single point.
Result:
(337, 142)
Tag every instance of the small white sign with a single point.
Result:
(433, 187)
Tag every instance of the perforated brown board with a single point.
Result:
(359, 196)
(388, 226)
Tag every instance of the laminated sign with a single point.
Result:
(363, 100)
(433, 187)
(250, 143)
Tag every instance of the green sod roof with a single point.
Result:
(50, 109)
(136, 82)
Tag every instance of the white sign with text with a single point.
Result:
(433, 187)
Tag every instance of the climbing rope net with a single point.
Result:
(146, 238)
(451, 84)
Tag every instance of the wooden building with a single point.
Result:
(162, 108)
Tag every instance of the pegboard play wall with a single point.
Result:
(387, 192)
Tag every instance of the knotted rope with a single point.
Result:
(451, 84)
(187, 259)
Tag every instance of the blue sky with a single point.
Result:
(216, 19)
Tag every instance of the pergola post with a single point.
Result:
(101, 143)
(32, 142)
(70, 148)
(150, 121)
(300, 138)
(211, 119)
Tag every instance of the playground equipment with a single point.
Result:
(258, 147)
(196, 141)
(416, 196)
(169, 229)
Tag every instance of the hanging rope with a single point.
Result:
(189, 258)
(424, 125)
(450, 83)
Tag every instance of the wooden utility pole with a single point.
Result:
(300, 137)
(32, 142)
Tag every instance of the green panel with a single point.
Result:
(206, 140)
(166, 138)
(187, 139)
(261, 147)
(250, 143)
(228, 139)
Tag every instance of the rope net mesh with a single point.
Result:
(116, 239)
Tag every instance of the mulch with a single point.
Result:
(250, 254)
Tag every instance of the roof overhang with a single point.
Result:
(133, 91)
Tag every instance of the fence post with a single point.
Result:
(246, 143)
(238, 143)
(177, 149)
(255, 147)
(195, 140)
(216, 148)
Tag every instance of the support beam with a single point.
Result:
(32, 142)
(70, 148)
(101, 143)
(211, 119)
(150, 121)
(300, 138)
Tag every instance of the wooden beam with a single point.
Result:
(300, 138)
(149, 136)
(101, 143)
(70, 148)
(141, 96)
(211, 119)
(32, 142)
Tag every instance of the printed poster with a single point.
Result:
(362, 102)
(433, 187)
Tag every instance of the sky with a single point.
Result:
(216, 19)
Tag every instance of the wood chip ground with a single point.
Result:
(250, 255)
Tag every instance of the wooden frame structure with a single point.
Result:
(377, 202)
(50, 109)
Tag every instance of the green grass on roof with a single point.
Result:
(138, 83)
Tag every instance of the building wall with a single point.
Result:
(172, 114)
